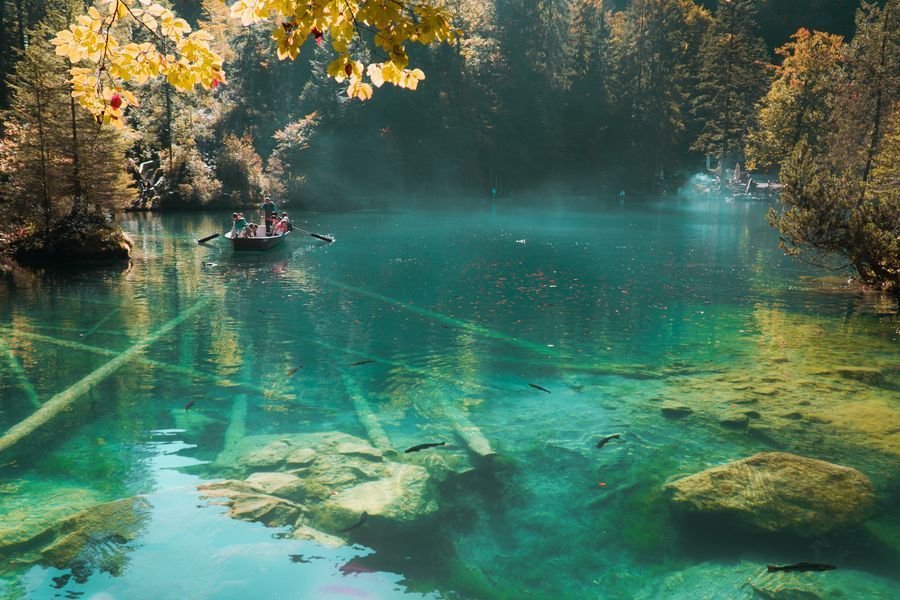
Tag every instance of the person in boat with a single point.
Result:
(251, 230)
(240, 225)
(290, 224)
(281, 227)
(234, 218)
(268, 209)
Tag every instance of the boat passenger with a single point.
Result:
(281, 227)
(268, 209)
(234, 218)
(240, 225)
(290, 224)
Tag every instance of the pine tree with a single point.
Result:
(64, 161)
(799, 104)
(865, 105)
(843, 200)
(732, 79)
(652, 48)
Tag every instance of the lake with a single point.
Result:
(516, 337)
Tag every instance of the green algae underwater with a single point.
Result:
(676, 323)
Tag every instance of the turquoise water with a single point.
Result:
(615, 311)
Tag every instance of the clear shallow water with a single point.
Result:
(615, 311)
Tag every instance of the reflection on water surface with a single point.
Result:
(619, 314)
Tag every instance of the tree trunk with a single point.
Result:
(20, 19)
(726, 108)
(879, 97)
(4, 54)
(76, 175)
(169, 127)
(42, 144)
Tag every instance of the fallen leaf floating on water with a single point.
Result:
(424, 447)
(362, 362)
(537, 387)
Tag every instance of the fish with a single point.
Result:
(424, 447)
(189, 405)
(362, 519)
(605, 440)
(537, 387)
(800, 567)
(361, 362)
(298, 558)
(294, 370)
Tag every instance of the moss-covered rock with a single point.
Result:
(777, 491)
(82, 237)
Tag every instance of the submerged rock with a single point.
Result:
(776, 491)
(337, 477)
(750, 581)
(675, 411)
(246, 503)
(97, 534)
(28, 509)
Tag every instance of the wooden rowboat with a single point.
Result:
(262, 242)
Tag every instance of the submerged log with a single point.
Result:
(20, 374)
(464, 428)
(366, 416)
(162, 366)
(65, 399)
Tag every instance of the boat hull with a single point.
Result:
(256, 244)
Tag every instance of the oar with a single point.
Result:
(315, 235)
(207, 238)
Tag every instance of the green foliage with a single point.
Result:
(55, 158)
(732, 79)
(840, 196)
(82, 234)
(242, 173)
(828, 215)
(799, 104)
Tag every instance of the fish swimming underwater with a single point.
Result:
(800, 567)
(537, 387)
(294, 370)
(362, 519)
(362, 362)
(424, 447)
(189, 405)
(605, 440)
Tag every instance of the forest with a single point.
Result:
(582, 97)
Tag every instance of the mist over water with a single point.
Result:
(616, 310)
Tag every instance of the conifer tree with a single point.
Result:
(732, 79)
(842, 200)
(63, 160)
(799, 104)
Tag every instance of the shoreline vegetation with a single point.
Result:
(627, 96)
(78, 239)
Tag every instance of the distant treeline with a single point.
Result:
(583, 94)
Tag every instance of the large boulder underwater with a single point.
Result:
(326, 486)
(777, 492)
(96, 538)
